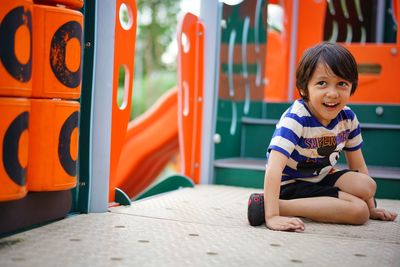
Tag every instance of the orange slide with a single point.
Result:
(151, 141)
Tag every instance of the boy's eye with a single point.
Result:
(321, 83)
(343, 84)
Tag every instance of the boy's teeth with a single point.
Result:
(331, 104)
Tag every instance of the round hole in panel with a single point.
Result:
(123, 87)
(125, 16)
(185, 43)
(232, 2)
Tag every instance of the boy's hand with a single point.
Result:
(382, 214)
(280, 223)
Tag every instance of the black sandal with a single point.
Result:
(255, 209)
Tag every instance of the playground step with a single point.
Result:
(386, 114)
(249, 172)
(380, 146)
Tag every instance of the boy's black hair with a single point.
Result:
(333, 55)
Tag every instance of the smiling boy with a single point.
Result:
(300, 178)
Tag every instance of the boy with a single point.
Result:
(300, 178)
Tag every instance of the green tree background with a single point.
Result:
(156, 28)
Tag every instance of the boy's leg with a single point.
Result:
(364, 187)
(358, 184)
(345, 209)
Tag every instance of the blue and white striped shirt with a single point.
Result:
(312, 148)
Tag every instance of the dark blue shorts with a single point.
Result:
(324, 188)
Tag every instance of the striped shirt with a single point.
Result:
(313, 149)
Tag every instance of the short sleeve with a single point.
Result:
(286, 135)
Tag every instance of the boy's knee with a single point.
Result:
(370, 189)
(359, 213)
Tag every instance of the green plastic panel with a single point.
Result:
(122, 198)
(170, 183)
(389, 189)
(238, 68)
(256, 139)
(234, 16)
(82, 204)
(386, 114)
(225, 109)
(381, 146)
(239, 177)
(230, 143)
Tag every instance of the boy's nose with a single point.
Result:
(332, 92)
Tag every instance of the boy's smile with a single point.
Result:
(327, 93)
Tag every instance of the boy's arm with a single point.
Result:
(272, 181)
(355, 161)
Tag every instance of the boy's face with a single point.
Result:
(327, 93)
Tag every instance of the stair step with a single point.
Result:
(379, 172)
(374, 113)
(249, 172)
(383, 126)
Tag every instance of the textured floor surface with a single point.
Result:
(201, 226)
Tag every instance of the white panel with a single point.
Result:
(100, 135)
(210, 15)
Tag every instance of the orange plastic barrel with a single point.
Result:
(53, 146)
(57, 52)
(16, 48)
(74, 4)
(13, 147)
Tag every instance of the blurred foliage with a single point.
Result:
(156, 30)
(156, 27)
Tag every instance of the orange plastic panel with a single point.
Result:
(379, 87)
(13, 147)
(57, 52)
(15, 48)
(74, 4)
(53, 146)
(310, 29)
(124, 56)
(276, 69)
(190, 94)
(370, 85)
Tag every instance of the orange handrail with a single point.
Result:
(124, 56)
(190, 94)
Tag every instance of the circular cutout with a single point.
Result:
(232, 2)
(185, 43)
(125, 16)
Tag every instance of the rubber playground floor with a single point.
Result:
(201, 226)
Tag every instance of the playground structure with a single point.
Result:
(227, 103)
(236, 77)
